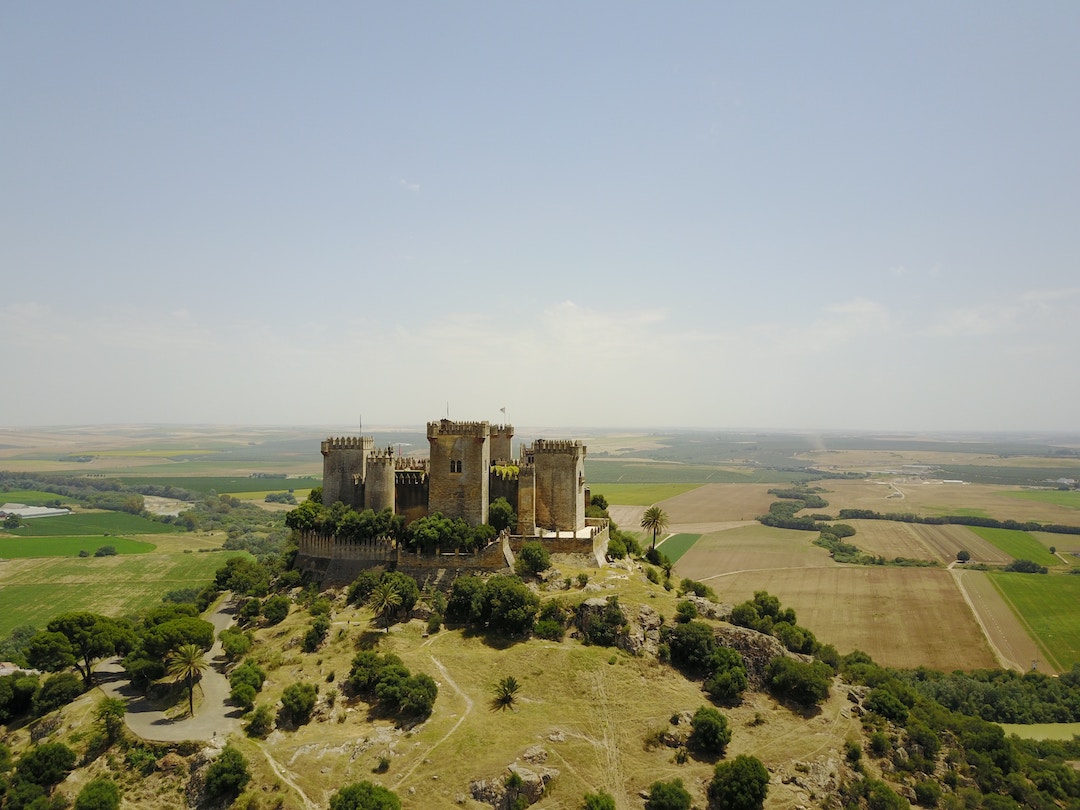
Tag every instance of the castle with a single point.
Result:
(470, 464)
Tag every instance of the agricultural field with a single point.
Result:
(677, 545)
(22, 547)
(30, 497)
(639, 494)
(1006, 631)
(918, 541)
(751, 548)
(935, 498)
(902, 617)
(89, 523)
(644, 471)
(1018, 545)
(32, 591)
(1070, 499)
(1048, 607)
(715, 503)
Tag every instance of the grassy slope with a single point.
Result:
(91, 524)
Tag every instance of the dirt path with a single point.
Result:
(283, 775)
(1009, 641)
(468, 708)
(214, 717)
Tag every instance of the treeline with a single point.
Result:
(87, 489)
(960, 520)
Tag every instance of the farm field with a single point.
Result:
(23, 547)
(32, 591)
(889, 539)
(750, 548)
(99, 524)
(643, 471)
(1069, 499)
(902, 617)
(1047, 605)
(719, 502)
(937, 498)
(1009, 637)
(30, 497)
(640, 494)
(677, 545)
(1018, 545)
(1043, 731)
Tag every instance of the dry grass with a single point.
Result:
(719, 502)
(922, 542)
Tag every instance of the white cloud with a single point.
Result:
(413, 187)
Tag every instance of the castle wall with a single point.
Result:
(499, 487)
(526, 500)
(458, 466)
(411, 494)
(560, 484)
(344, 468)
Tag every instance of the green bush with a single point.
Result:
(276, 608)
(98, 794)
(298, 701)
(740, 784)
(364, 796)
(532, 559)
(598, 801)
(228, 774)
(804, 684)
(668, 796)
(710, 732)
(46, 764)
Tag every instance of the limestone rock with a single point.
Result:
(757, 650)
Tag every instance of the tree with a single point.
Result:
(186, 664)
(805, 684)
(963, 555)
(58, 690)
(110, 713)
(50, 652)
(12, 521)
(710, 732)
(260, 721)
(532, 559)
(506, 692)
(654, 520)
(740, 784)
(668, 796)
(298, 701)
(227, 774)
(99, 794)
(384, 600)
(92, 637)
(364, 796)
(276, 608)
(501, 515)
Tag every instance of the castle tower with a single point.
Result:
(344, 469)
(502, 437)
(379, 482)
(458, 468)
(560, 484)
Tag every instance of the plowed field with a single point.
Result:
(884, 538)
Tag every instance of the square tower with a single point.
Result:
(560, 485)
(458, 470)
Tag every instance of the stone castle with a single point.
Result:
(470, 464)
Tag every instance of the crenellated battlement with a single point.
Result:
(502, 430)
(410, 476)
(445, 427)
(557, 446)
(410, 463)
(346, 443)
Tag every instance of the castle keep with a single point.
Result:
(470, 464)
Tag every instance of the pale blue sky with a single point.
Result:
(783, 215)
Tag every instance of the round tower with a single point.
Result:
(379, 484)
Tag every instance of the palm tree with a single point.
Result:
(654, 520)
(186, 664)
(506, 692)
(384, 600)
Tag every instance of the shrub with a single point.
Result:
(58, 690)
(260, 721)
(243, 695)
(106, 551)
(46, 765)
(668, 796)
(228, 774)
(710, 733)
(275, 609)
(692, 645)
(598, 801)
(616, 548)
(740, 784)
(685, 611)
(927, 793)
(532, 559)
(805, 684)
(99, 794)
(298, 701)
(604, 628)
(364, 796)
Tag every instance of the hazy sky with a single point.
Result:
(817, 215)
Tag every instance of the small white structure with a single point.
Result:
(30, 512)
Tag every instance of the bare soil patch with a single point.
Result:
(902, 617)
(751, 547)
(885, 538)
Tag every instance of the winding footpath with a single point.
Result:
(214, 717)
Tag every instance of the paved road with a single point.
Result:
(214, 717)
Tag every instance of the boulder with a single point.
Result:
(756, 649)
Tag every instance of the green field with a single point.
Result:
(639, 494)
(30, 497)
(216, 483)
(23, 547)
(33, 591)
(1046, 605)
(602, 471)
(1070, 499)
(1018, 545)
(677, 545)
(1042, 731)
(98, 524)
